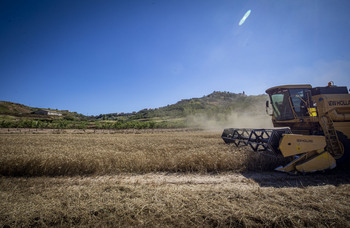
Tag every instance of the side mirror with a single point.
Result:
(267, 108)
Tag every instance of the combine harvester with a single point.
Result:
(311, 124)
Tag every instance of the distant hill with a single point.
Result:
(7, 107)
(22, 111)
(214, 104)
(217, 110)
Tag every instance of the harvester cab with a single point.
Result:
(290, 102)
(311, 124)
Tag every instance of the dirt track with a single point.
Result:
(245, 180)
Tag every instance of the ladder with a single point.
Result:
(334, 146)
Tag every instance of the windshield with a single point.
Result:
(300, 101)
(281, 106)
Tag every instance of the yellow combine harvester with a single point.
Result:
(311, 124)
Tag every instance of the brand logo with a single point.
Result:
(305, 140)
(339, 103)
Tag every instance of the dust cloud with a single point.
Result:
(249, 116)
(232, 120)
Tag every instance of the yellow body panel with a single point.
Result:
(310, 162)
(317, 163)
(337, 106)
(291, 166)
(294, 144)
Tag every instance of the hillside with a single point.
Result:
(11, 108)
(218, 109)
(213, 105)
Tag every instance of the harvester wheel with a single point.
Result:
(345, 159)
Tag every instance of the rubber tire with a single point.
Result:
(344, 161)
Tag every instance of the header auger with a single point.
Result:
(311, 124)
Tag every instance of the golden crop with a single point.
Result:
(84, 154)
(158, 179)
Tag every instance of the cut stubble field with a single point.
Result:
(158, 178)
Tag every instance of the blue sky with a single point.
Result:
(97, 57)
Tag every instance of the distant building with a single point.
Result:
(47, 112)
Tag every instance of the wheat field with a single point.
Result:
(86, 154)
(158, 179)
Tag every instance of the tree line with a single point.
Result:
(67, 124)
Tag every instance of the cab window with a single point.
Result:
(299, 99)
(281, 106)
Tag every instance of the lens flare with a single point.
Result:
(246, 15)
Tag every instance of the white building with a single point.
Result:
(48, 113)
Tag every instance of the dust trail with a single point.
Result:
(253, 116)
(232, 120)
